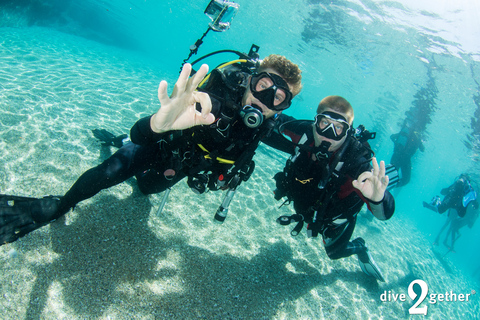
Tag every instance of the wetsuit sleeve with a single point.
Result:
(142, 134)
(383, 210)
(276, 140)
(394, 137)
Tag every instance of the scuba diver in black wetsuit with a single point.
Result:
(329, 178)
(462, 205)
(406, 143)
(207, 130)
(411, 136)
(457, 196)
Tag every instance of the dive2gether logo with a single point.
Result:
(433, 298)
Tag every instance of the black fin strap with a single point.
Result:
(297, 229)
(287, 202)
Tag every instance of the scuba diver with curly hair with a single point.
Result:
(329, 178)
(207, 130)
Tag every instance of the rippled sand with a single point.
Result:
(114, 257)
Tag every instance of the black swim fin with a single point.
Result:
(22, 215)
(109, 138)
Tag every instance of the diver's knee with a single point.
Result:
(113, 168)
(144, 189)
(333, 254)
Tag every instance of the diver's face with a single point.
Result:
(280, 98)
(335, 144)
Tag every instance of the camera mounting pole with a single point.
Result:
(194, 47)
(221, 12)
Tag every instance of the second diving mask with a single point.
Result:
(271, 90)
(252, 117)
(331, 125)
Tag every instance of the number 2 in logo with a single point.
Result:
(424, 291)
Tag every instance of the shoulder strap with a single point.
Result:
(229, 80)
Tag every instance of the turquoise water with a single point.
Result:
(67, 68)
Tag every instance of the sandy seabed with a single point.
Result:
(115, 257)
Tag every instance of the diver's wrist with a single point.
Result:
(154, 127)
(376, 202)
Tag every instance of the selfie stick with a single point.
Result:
(221, 12)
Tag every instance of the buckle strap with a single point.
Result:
(286, 220)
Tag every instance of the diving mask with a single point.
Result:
(331, 125)
(271, 90)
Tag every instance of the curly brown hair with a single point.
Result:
(286, 68)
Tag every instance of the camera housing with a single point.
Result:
(221, 12)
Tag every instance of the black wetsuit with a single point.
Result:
(217, 156)
(221, 149)
(406, 143)
(322, 190)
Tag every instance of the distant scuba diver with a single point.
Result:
(406, 143)
(208, 135)
(410, 137)
(458, 196)
(329, 178)
(463, 189)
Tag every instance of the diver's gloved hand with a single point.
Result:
(178, 111)
(21, 215)
(372, 184)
